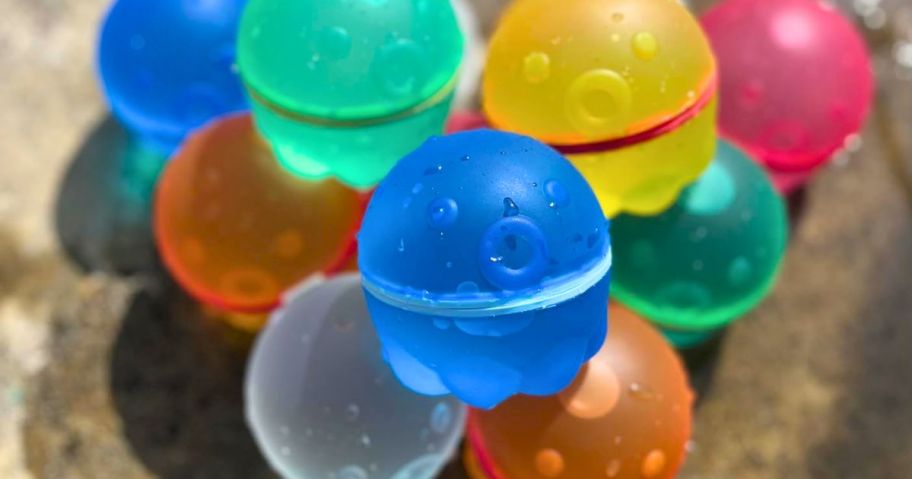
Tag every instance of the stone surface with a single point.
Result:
(108, 371)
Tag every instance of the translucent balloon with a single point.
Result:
(793, 105)
(167, 65)
(321, 403)
(625, 88)
(710, 258)
(236, 230)
(485, 257)
(626, 416)
(344, 88)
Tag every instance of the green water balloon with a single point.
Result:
(709, 259)
(347, 87)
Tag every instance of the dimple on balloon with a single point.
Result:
(345, 88)
(485, 259)
(625, 88)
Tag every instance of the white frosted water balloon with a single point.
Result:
(322, 404)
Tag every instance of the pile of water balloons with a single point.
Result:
(407, 274)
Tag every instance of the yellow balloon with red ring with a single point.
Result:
(625, 88)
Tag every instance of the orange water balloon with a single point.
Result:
(236, 230)
(627, 415)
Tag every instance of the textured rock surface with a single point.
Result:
(108, 371)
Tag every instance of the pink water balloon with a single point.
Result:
(796, 81)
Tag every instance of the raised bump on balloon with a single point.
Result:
(167, 68)
(310, 421)
(710, 258)
(376, 80)
(627, 415)
(623, 91)
(236, 230)
(485, 259)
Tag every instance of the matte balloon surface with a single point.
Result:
(322, 404)
(795, 104)
(236, 230)
(485, 256)
(626, 416)
(167, 65)
(625, 87)
(344, 88)
(710, 258)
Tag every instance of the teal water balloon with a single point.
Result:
(709, 259)
(322, 403)
(345, 88)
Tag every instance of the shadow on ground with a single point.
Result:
(177, 382)
(102, 210)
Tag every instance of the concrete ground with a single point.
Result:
(108, 371)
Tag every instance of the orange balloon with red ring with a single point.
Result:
(626, 416)
(626, 89)
(236, 230)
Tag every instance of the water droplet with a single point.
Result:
(365, 440)
(466, 158)
(352, 412)
(641, 392)
(467, 287)
(399, 67)
(495, 259)
(653, 464)
(536, 67)
(593, 239)
(449, 264)
(417, 188)
(433, 170)
(740, 271)
(557, 194)
(549, 463)
(617, 16)
(401, 245)
(645, 46)
(615, 37)
(442, 323)
(352, 472)
(510, 208)
(614, 468)
(441, 418)
(442, 213)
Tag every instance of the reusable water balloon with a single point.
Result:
(625, 88)
(346, 87)
(236, 230)
(710, 258)
(485, 259)
(322, 404)
(626, 416)
(796, 80)
(166, 65)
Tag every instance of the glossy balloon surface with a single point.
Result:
(596, 70)
(485, 255)
(795, 104)
(626, 416)
(709, 259)
(321, 402)
(236, 230)
(167, 66)
(346, 87)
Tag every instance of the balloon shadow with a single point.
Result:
(102, 211)
(176, 378)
